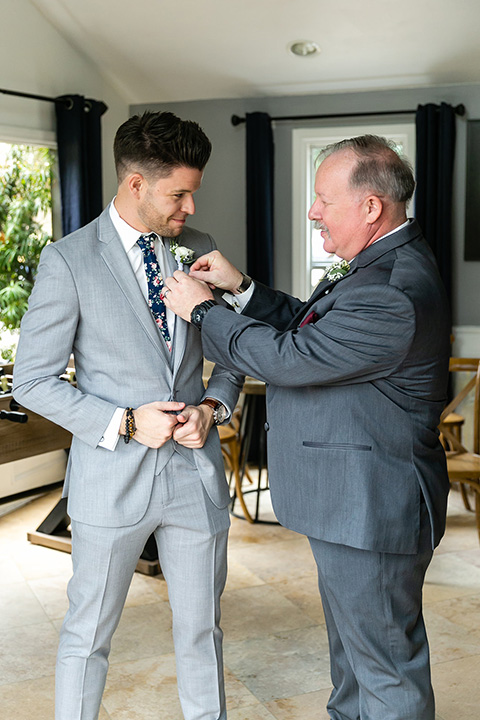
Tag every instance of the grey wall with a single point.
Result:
(36, 59)
(221, 200)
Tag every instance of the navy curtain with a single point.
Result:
(260, 197)
(80, 159)
(433, 200)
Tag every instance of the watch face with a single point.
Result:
(220, 413)
(198, 316)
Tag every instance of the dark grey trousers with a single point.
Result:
(379, 655)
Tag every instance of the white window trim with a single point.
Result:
(28, 136)
(303, 141)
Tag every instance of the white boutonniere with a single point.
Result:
(182, 254)
(337, 270)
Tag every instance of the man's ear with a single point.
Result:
(136, 184)
(373, 208)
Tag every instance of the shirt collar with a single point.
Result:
(400, 227)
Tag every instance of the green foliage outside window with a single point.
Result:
(25, 225)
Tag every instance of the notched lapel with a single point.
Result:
(117, 262)
(181, 327)
(323, 288)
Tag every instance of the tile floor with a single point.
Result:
(276, 654)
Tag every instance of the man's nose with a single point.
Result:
(314, 213)
(188, 206)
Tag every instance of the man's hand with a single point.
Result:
(216, 271)
(194, 425)
(155, 424)
(182, 293)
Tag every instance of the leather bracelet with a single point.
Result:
(130, 426)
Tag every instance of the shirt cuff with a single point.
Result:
(110, 436)
(239, 302)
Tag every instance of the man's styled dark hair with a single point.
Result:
(380, 169)
(156, 143)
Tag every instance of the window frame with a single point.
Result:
(304, 142)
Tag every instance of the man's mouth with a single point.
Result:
(320, 226)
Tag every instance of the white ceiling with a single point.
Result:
(170, 50)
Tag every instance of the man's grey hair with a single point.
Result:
(380, 169)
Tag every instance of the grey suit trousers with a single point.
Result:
(378, 646)
(191, 534)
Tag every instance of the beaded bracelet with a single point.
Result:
(130, 427)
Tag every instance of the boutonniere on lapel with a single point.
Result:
(337, 270)
(183, 255)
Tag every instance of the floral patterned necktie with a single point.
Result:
(155, 285)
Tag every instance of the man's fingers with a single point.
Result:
(202, 275)
(168, 405)
(204, 262)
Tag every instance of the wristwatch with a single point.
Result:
(199, 311)
(219, 410)
(244, 285)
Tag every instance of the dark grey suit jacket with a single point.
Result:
(353, 398)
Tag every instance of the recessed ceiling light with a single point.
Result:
(304, 48)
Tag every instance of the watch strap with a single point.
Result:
(210, 402)
(244, 285)
(199, 311)
(215, 405)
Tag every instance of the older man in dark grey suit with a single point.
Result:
(356, 380)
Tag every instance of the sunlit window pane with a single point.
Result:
(318, 253)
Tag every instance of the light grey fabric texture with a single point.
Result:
(87, 300)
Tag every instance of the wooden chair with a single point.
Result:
(230, 443)
(464, 466)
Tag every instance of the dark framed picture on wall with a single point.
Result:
(472, 195)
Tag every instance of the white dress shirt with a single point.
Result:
(129, 236)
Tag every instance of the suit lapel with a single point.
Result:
(181, 327)
(117, 262)
(323, 288)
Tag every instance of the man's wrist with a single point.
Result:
(242, 286)
(199, 311)
(219, 411)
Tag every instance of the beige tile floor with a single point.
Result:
(276, 654)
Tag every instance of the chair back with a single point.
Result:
(457, 365)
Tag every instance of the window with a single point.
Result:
(309, 260)
(26, 225)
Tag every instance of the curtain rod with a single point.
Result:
(62, 100)
(31, 96)
(237, 120)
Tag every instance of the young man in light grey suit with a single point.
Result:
(143, 458)
(356, 380)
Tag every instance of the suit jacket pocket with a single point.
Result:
(335, 446)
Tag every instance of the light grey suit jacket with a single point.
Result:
(354, 397)
(86, 299)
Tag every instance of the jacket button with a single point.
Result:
(266, 427)
(326, 292)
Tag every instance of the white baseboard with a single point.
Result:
(32, 472)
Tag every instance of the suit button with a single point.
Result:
(266, 427)
(326, 292)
